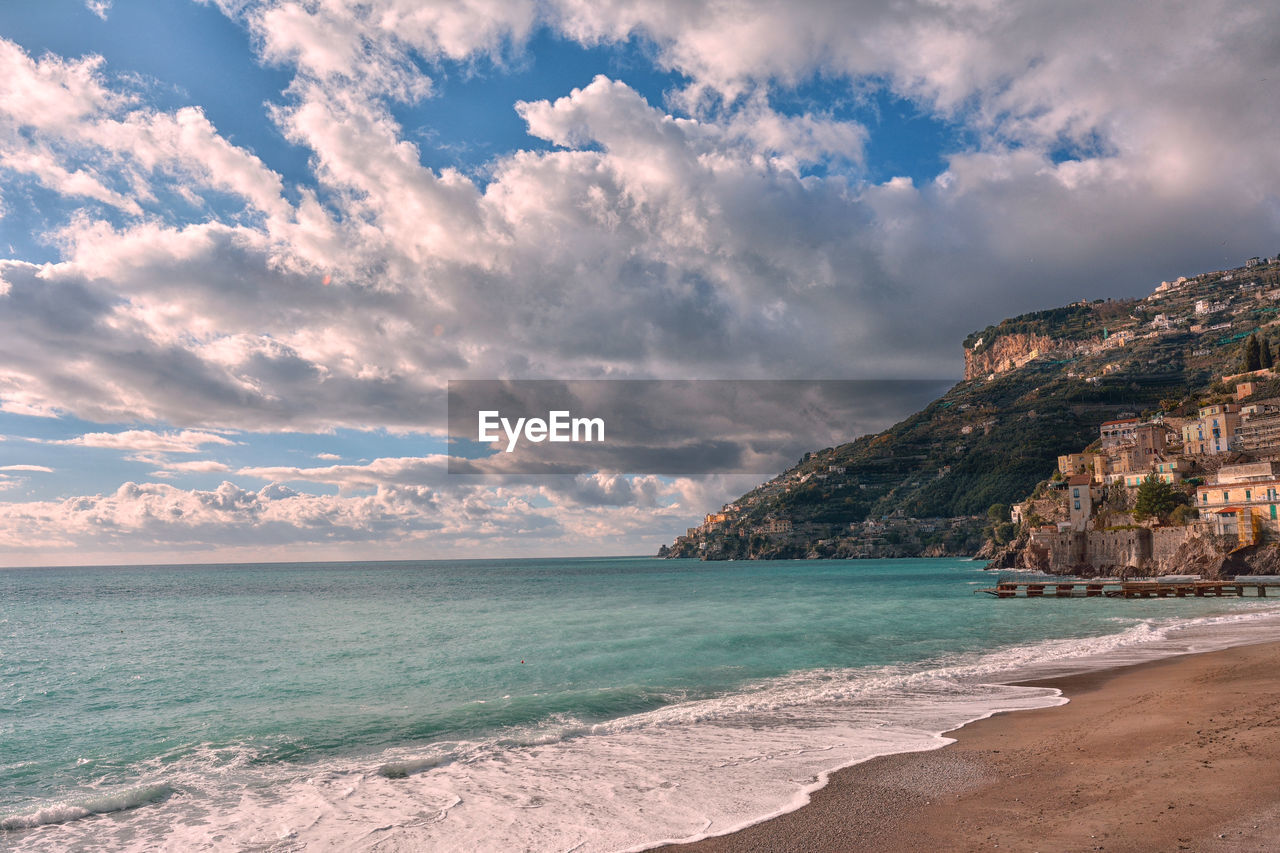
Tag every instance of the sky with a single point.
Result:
(245, 244)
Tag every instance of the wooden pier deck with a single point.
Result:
(1077, 588)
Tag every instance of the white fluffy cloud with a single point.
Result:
(149, 441)
(60, 123)
(392, 508)
(646, 243)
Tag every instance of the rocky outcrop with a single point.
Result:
(1261, 560)
(1014, 555)
(1201, 555)
(1134, 553)
(989, 551)
(1005, 353)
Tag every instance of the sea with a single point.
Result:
(527, 704)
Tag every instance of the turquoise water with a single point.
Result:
(211, 697)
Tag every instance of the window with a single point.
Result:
(1273, 512)
(1248, 494)
(1077, 506)
(1075, 493)
(1204, 497)
(1226, 496)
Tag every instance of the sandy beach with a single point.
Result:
(1179, 754)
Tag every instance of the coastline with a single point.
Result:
(1176, 753)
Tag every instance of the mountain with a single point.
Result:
(1036, 386)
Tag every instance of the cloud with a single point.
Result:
(98, 7)
(61, 124)
(156, 521)
(375, 47)
(148, 441)
(33, 468)
(680, 239)
(410, 470)
(328, 456)
(198, 466)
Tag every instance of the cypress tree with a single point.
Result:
(1252, 354)
(1267, 359)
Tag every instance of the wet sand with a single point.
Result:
(1180, 754)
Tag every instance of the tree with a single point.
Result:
(998, 513)
(1004, 532)
(1157, 499)
(1252, 354)
(1266, 358)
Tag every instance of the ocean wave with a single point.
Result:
(67, 812)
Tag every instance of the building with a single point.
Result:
(1129, 447)
(1075, 463)
(1269, 406)
(1169, 471)
(1081, 496)
(774, 526)
(1247, 472)
(1115, 433)
(1212, 432)
(1259, 433)
(1259, 428)
(1243, 501)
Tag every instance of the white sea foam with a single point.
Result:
(682, 771)
(105, 804)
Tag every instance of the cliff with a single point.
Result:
(1005, 353)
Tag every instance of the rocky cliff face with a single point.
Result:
(1199, 555)
(1004, 353)
(1196, 554)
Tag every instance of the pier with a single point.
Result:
(1255, 587)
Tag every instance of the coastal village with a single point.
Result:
(1179, 471)
(1217, 472)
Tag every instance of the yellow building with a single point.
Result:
(1169, 472)
(1243, 501)
(1213, 431)
(1075, 463)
